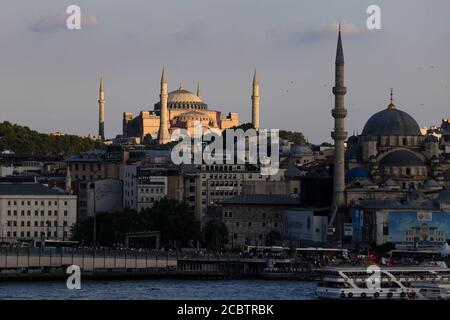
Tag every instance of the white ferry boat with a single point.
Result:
(408, 282)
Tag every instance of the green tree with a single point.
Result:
(215, 234)
(295, 137)
(24, 141)
(171, 218)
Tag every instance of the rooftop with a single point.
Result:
(27, 189)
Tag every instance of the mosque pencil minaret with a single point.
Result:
(101, 111)
(163, 134)
(255, 101)
(339, 134)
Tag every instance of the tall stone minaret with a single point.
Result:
(339, 134)
(68, 181)
(101, 111)
(198, 90)
(255, 101)
(163, 134)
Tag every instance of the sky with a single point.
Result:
(49, 75)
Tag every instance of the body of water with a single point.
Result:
(161, 289)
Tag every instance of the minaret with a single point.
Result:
(68, 181)
(163, 134)
(255, 102)
(101, 111)
(198, 90)
(339, 134)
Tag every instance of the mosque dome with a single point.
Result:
(182, 95)
(183, 99)
(391, 122)
(301, 150)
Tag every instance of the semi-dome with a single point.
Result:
(401, 158)
(391, 121)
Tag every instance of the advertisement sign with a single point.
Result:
(418, 226)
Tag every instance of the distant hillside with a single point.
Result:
(21, 140)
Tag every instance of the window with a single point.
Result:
(9, 212)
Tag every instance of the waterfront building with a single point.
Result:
(104, 195)
(305, 226)
(255, 219)
(148, 176)
(97, 164)
(207, 186)
(31, 211)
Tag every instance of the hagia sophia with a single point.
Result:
(182, 109)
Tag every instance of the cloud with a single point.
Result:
(56, 22)
(324, 32)
(194, 32)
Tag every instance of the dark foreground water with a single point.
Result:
(161, 289)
